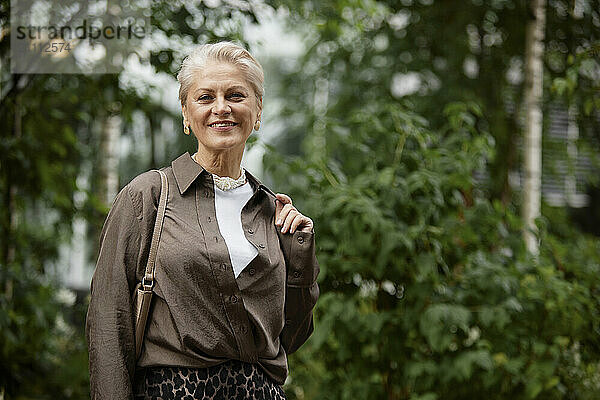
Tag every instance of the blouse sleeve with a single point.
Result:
(302, 290)
(109, 321)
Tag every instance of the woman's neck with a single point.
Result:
(225, 163)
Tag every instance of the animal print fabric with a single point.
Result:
(232, 380)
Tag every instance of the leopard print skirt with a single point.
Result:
(231, 380)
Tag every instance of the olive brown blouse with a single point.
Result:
(201, 315)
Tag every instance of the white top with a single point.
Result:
(229, 204)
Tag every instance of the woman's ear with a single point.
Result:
(184, 114)
(186, 124)
(260, 105)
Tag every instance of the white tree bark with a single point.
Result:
(109, 147)
(534, 50)
(571, 175)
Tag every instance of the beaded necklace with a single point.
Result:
(225, 182)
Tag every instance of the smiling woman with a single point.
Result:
(235, 271)
(221, 110)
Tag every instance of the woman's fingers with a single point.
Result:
(288, 217)
(284, 198)
(295, 220)
(280, 202)
(302, 222)
(278, 208)
(288, 212)
(293, 214)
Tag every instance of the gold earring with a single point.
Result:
(186, 129)
(257, 125)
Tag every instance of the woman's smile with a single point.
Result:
(223, 126)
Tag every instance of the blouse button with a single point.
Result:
(233, 298)
(223, 266)
(297, 274)
(209, 219)
(250, 231)
(288, 321)
(300, 239)
(261, 245)
(251, 271)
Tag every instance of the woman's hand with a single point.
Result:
(287, 216)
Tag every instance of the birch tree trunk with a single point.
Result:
(152, 126)
(109, 150)
(534, 50)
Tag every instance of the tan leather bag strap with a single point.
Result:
(143, 293)
(148, 280)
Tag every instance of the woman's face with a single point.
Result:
(221, 107)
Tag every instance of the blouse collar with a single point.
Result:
(186, 171)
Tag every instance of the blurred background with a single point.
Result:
(400, 127)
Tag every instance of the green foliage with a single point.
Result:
(43, 353)
(577, 82)
(39, 165)
(427, 290)
(356, 51)
(409, 242)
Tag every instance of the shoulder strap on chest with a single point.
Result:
(148, 280)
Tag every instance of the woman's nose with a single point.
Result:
(221, 107)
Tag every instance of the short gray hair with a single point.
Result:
(223, 52)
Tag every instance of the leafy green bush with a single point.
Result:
(43, 353)
(427, 290)
(27, 311)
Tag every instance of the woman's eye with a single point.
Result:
(237, 95)
(204, 97)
